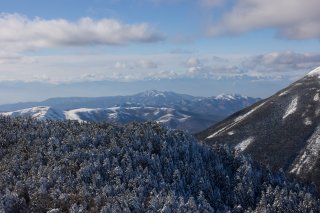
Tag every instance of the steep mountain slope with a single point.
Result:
(179, 111)
(282, 131)
(51, 166)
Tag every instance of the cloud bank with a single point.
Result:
(293, 19)
(73, 68)
(277, 64)
(19, 33)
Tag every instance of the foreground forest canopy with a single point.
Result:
(65, 166)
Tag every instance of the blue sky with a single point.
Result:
(226, 46)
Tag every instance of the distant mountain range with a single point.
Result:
(282, 131)
(174, 110)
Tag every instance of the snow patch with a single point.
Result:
(316, 97)
(229, 97)
(235, 122)
(40, 112)
(225, 97)
(292, 108)
(283, 93)
(308, 159)
(244, 144)
(153, 93)
(231, 133)
(113, 115)
(307, 121)
(314, 72)
(183, 119)
(241, 117)
(74, 114)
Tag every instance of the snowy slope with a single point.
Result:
(167, 116)
(41, 113)
(281, 131)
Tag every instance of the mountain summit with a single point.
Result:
(282, 131)
(315, 72)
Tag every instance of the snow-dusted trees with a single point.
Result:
(73, 167)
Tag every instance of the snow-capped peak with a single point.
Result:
(225, 97)
(314, 72)
(229, 97)
(153, 93)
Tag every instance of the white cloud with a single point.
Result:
(9, 58)
(181, 51)
(145, 64)
(283, 61)
(211, 67)
(281, 64)
(81, 67)
(195, 67)
(273, 65)
(293, 19)
(120, 65)
(140, 64)
(41, 78)
(193, 62)
(19, 33)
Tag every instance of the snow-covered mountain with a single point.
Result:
(41, 113)
(174, 110)
(147, 98)
(224, 104)
(282, 131)
(167, 116)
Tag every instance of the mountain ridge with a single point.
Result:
(65, 103)
(280, 131)
(178, 111)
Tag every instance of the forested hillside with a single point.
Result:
(65, 166)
